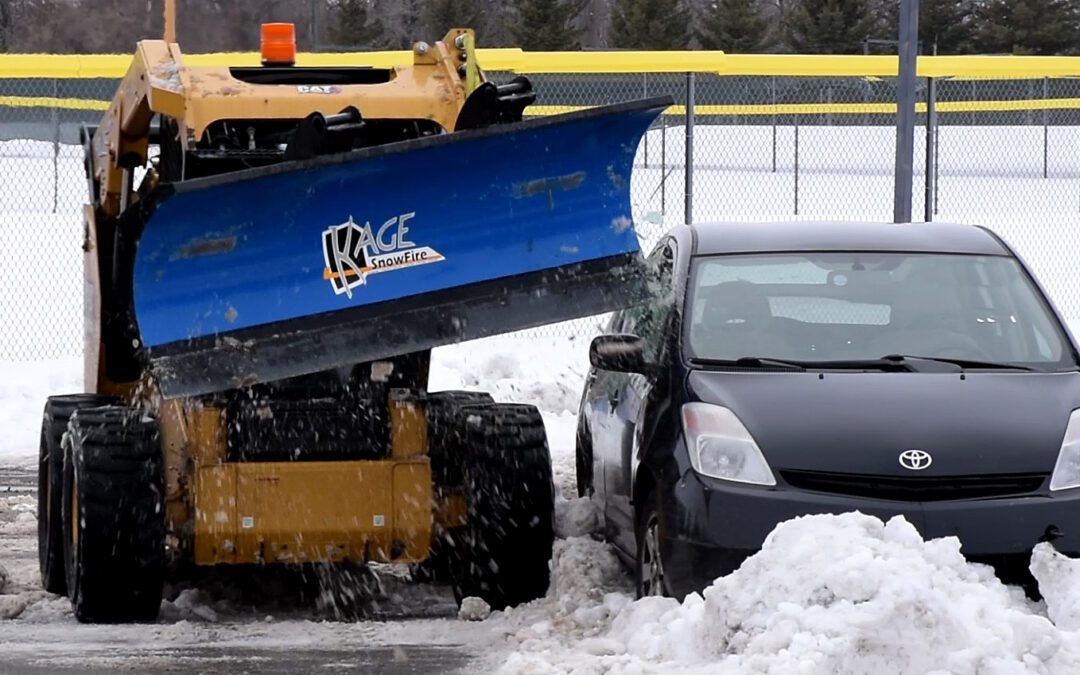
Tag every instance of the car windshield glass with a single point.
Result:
(811, 307)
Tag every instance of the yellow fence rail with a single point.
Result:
(518, 61)
(779, 109)
(942, 107)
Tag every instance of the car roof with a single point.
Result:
(731, 237)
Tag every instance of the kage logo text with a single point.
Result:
(353, 251)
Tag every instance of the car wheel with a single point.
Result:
(650, 563)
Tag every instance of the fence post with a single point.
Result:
(774, 124)
(937, 159)
(930, 179)
(56, 147)
(645, 94)
(688, 212)
(796, 165)
(1046, 130)
(663, 166)
(905, 111)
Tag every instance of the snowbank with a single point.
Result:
(827, 594)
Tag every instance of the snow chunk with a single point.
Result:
(576, 517)
(1059, 582)
(4, 578)
(11, 606)
(191, 604)
(474, 609)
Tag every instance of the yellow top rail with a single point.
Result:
(518, 61)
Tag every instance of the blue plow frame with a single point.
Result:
(276, 272)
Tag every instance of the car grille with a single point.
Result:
(916, 489)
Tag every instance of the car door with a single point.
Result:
(628, 399)
(601, 393)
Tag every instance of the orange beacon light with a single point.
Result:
(278, 44)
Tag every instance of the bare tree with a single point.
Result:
(596, 22)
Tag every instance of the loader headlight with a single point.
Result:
(1067, 470)
(721, 447)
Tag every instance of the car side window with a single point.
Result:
(649, 320)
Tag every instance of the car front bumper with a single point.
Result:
(710, 526)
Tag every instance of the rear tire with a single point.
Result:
(445, 442)
(58, 410)
(114, 523)
(503, 551)
(447, 451)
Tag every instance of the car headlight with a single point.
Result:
(1067, 470)
(721, 447)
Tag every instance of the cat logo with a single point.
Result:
(353, 252)
(317, 89)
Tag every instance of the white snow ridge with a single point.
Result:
(827, 594)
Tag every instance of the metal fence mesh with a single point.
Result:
(1004, 153)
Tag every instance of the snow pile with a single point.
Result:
(827, 594)
(589, 586)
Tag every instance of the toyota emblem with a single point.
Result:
(916, 460)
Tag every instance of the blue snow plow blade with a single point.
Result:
(276, 272)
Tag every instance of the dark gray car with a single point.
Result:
(796, 368)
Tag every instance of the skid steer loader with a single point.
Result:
(270, 255)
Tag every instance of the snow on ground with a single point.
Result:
(827, 594)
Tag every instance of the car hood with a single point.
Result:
(861, 422)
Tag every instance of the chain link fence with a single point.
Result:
(1003, 153)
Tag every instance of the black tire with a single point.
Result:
(114, 524)
(583, 461)
(649, 562)
(446, 449)
(502, 553)
(445, 441)
(54, 422)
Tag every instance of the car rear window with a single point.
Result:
(840, 306)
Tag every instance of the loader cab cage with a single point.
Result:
(315, 76)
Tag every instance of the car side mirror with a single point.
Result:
(619, 353)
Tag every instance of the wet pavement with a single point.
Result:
(45, 638)
(397, 660)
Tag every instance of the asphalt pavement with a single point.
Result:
(46, 639)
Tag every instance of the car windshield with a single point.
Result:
(811, 307)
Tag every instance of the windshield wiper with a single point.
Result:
(963, 364)
(889, 363)
(749, 362)
(790, 364)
